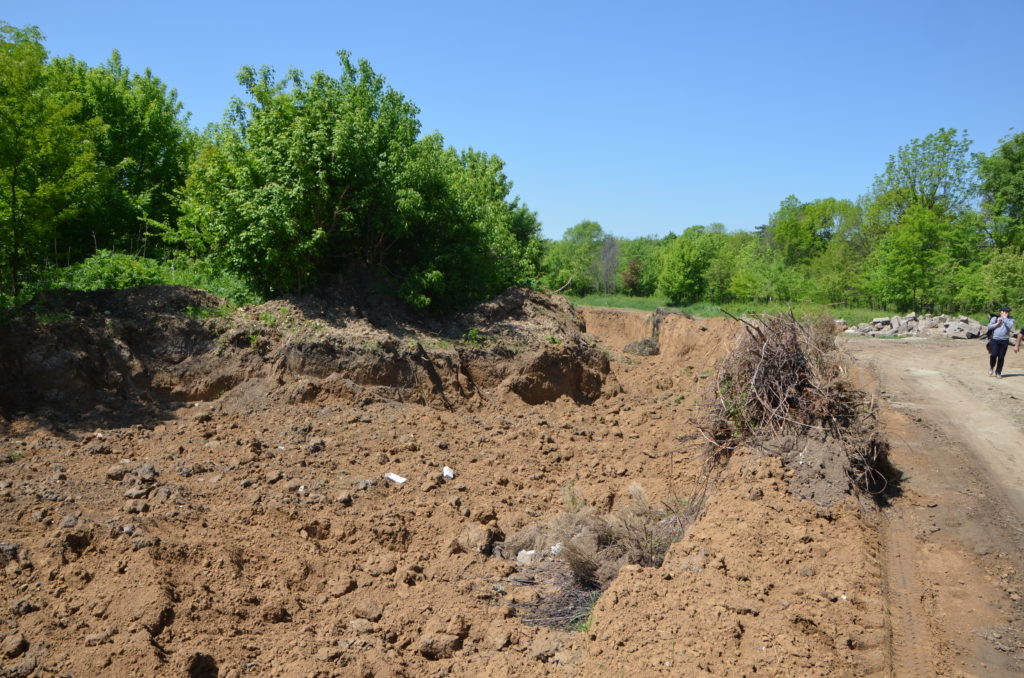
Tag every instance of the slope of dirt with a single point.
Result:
(206, 496)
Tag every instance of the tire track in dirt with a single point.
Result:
(952, 544)
(911, 645)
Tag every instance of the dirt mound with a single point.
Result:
(140, 351)
(343, 507)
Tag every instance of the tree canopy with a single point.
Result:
(308, 178)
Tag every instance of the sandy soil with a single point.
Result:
(190, 496)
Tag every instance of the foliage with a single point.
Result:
(802, 231)
(143, 146)
(989, 285)
(640, 265)
(111, 270)
(686, 260)
(1002, 190)
(935, 173)
(572, 263)
(910, 261)
(89, 158)
(47, 158)
(307, 176)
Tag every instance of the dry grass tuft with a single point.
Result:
(581, 551)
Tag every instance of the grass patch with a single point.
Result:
(621, 301)
(108, 270)
(802, 310)
(202, 312)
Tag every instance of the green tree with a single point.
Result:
(309, 176)
(990, 284)
(143, 147)
(572, 263)
(639, 265)
(47, 161)
(911, 265)
(936, 173)
(719, 274)
(1002, 190)
(790, 234)
(685, 262)
(301, 171)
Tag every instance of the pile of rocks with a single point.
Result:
(953, 327)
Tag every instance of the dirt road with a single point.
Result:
(953, 541)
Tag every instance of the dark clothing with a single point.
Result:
(997, 353)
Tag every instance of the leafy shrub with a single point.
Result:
(112, 271)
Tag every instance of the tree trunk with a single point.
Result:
(14, 232)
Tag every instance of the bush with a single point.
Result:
(110, 270)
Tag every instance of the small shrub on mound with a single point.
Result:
(108, 270)
(787, 378)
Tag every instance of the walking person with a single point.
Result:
(1001, 327)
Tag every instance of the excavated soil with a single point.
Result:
(187, 493)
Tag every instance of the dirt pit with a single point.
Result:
(314, 488)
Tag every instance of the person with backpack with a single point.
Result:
(1000, 330)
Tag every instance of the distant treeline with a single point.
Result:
(940, 229)
(103, 182)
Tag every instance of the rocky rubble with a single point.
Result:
(912, 324)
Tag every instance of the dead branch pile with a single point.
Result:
(780, 375)
(786, 377)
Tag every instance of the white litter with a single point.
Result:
(448, 472)
(556, 549)
(395, 478)
(525, 558)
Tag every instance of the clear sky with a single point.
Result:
(643, 116)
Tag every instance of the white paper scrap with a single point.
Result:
(395, 478)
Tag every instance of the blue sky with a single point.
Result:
(643, 116)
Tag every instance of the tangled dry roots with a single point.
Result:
(590, 547)
(786, 377)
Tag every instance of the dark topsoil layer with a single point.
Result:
(138, 352)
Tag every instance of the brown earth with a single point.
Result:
(192, 495)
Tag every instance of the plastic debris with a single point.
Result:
(556, 549)
(525, 558)
(395, 478)
(448, 472)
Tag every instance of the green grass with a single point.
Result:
(620, 301)
(201, 312)
(852, 315)
(116, 270)
(583, 617)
